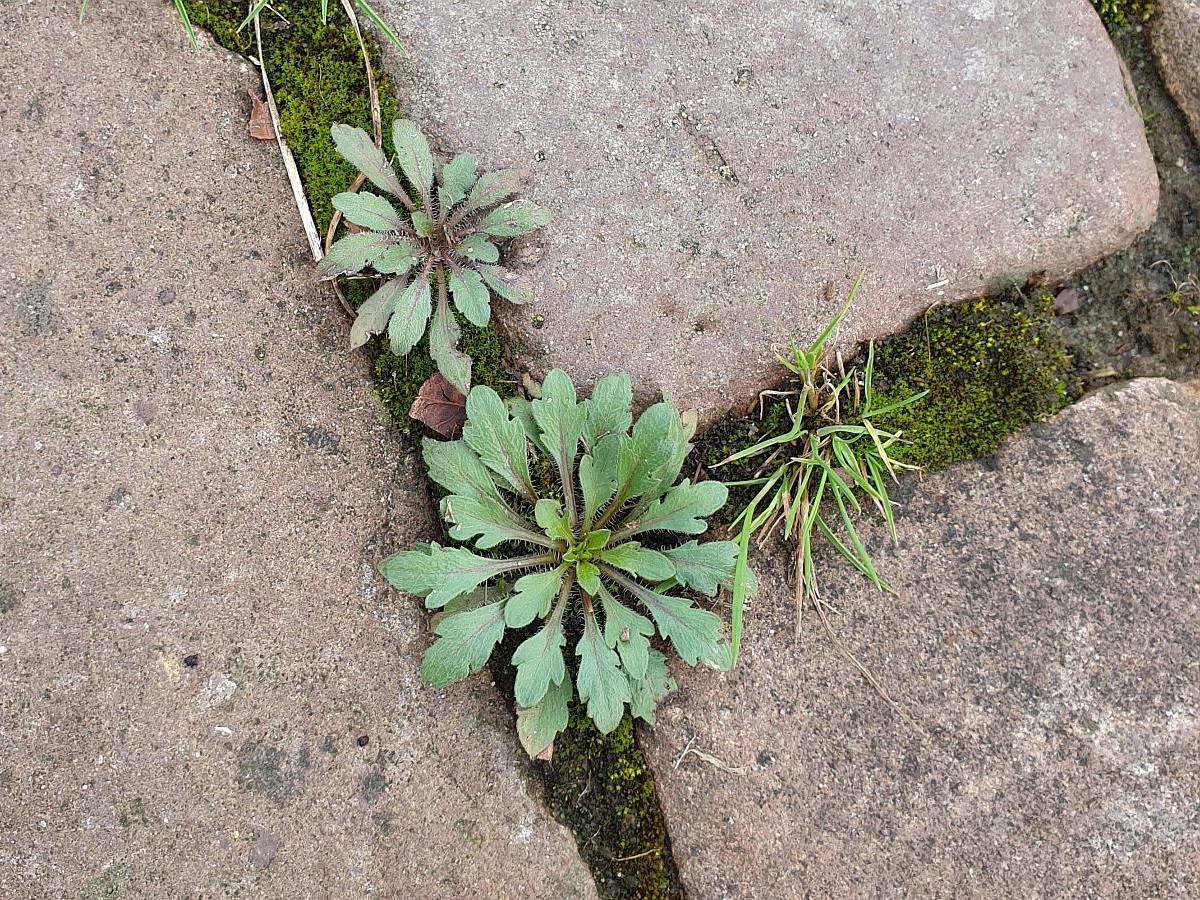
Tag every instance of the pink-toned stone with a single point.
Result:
(1045, 632)
(205, 691)
(715, 166)
(1175, 39)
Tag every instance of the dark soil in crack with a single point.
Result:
(1139, 310)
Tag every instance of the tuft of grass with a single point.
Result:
(833, 451)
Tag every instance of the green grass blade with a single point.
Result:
(741, 575)
(792, 434)
(882, 500)
(867, 567)
(381, 25)
(82, 9)
(894, 406)
(324, 12)
(814, 350)
(258, 7)
(187, 24)
(846, 552)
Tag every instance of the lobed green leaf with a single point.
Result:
(353, 253)
(532, 596)
(368, 210)
(704, 567)
(540, 664)
(465, 642)
(505, 284)
(683, 510)
(439, 574)
(540, 724)
(608, 409)
(628, 633)
(695, 633)
(477, 248)
(457, 177)
(443, 347)
(513, 219)
(411, 316)
(357, 148)
(643, 562)
(412, 153)
(498, 440)
(491, 520)
(601, 683)
(373, 315)
(651, 688)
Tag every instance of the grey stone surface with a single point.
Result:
(1046, 633)
(714, 165)
(1175, 39)
(205, 691)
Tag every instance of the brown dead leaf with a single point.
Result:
(441, 406)
(261, 128)
(547, 755)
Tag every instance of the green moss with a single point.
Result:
(601, 787)
(991, 367)
(1116, 14)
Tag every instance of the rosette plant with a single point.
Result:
(581, 524)
(441, 242)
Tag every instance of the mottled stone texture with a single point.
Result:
(205, 690)
(1175, 39)
(1045, 632)
(720, 170)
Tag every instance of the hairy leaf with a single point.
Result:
(443, 347)
(422, 224)
(550, 516)
(505, 284)
(560, 419)
(368, 210)
(498, 440)
(608, 409)
(490, 189)
(598, 475)
(695, 633)
(683, 509)
(412, 153)
(471, 297)
(409, 320)
(643, 562)
(532, 596)
(353, 253)
(513, 219)
(522, 412)
(465, 642)
(373, 315)
(439, 574)
(704, 567)
(357, 148)
(491, 520)
(478, 248)
(539, 661)
(589, 577)
(628, 633)
(457, 177)
(540, 724)
(650, 689)
(601, 683)
(455, 467)
(397, 259)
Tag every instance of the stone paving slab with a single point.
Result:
(205, 691)
(1175, 39)
(1046, 633)
(716, 166)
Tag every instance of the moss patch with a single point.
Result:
(1116, 14)
(991, 367)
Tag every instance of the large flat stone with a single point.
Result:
(1175, 39)
(205, 691)
(1046, 632)
(713, 165)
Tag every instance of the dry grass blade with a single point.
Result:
(690, 750)
(289, 163)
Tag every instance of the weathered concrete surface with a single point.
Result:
(713, 165)
(204, 690)
(1175, 39)
(1046, 633)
